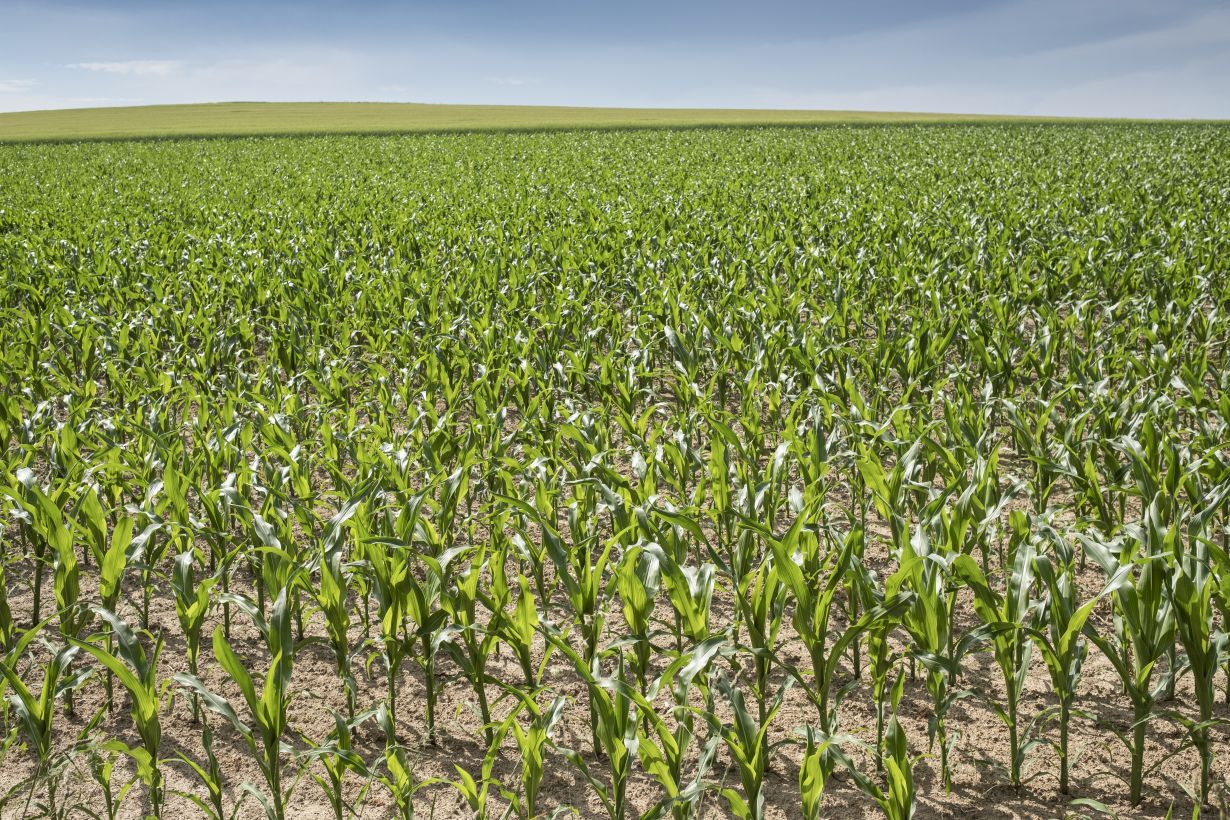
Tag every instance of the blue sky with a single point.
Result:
(1155, 58)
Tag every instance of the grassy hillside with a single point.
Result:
(227, 119)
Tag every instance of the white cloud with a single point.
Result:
(512, 81)
(154, 68)
(16, 86)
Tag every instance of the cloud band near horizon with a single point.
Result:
(1142, 58)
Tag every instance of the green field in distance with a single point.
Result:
(260, 118)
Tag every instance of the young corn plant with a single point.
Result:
(1006, 618)
(466, 641)
(412, 613)
(389, 568)
(1206, 648)
(814, 581)
(531, 743)
(332, 597)
(812, 775)
(398, 777)
(332, 593)
(637, 579)
(899, 800)
(72, 615)
(1143, 632)
(42, 523)
(1059, 634)
(690, 589)
(1220, 572)
(137, 672)
(101, 760)
(476, 793)
(882, 658)
(36, 713)
(927, 619)
(747, 741)
(209, 775)
(761, 600)
(8, 627)
(664, 748)
(428, 618)
(192, 602)
(112, 560)
(618, 716)
(581, 568)
(268, 708)
(338, 758)
(517, 628)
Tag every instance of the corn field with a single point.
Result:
(746, 473)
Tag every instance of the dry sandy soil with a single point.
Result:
(980, 740)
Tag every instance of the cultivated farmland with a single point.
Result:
(779, 472)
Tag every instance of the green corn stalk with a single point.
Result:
(814, 581)
(476, 793)
(618, 719)
(531, 743)
(389, 568)
(899, 801)
(580, 568)
(889, 487)
(73, 617)
(428, 619)
(398, 775)
(192, 601)
(394, 587)
(881, 657)
(36, 712)
(8, 627)
(1144, 630)
(637, 578)
(137, 672)
(517, 628)
(1206, 647)
(145, 554)
(112, 564)
(664, 748)
(331, 596)
(268, 708)
(42, 523)
(101, 761)
(217, 505)
(466, 641)
(333, 592)
(1220, 564)
(747, 741)
(338, 758)
(209, 773)
(812, 776)
(690, 590)
(762, 602)
(36, 717)
(928, 621)
(1007, 618)
(1059, 630)
(1031, 431)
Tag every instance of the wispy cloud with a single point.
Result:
(512, 81)
(152, 68)
(16, 86)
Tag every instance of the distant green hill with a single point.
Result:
(254, 118)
